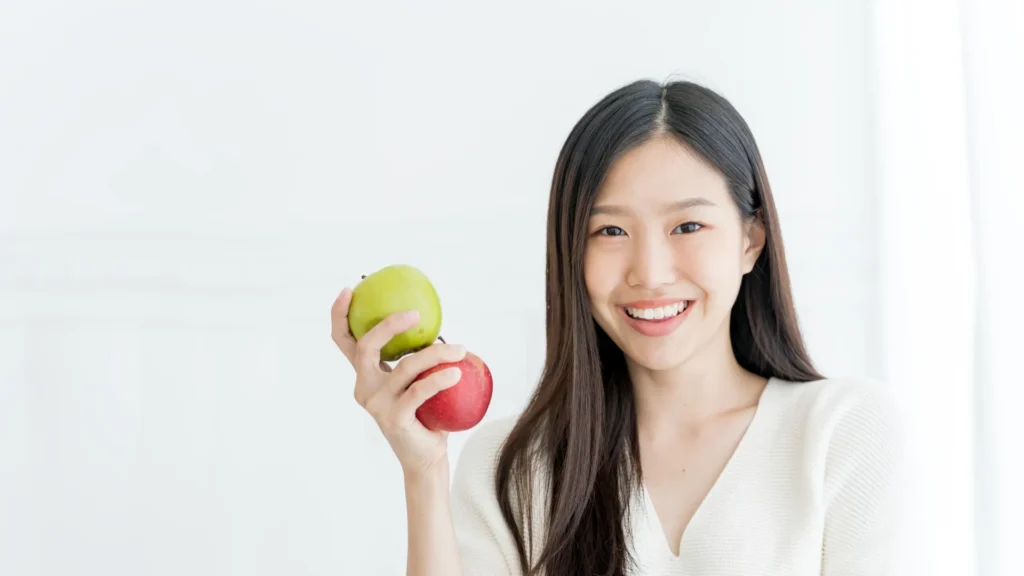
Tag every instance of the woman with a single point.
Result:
(679, 426)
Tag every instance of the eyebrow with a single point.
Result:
(672, 207)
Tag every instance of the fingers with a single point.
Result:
(422, 390)
(339, 325)
(368, 347)
(396, 401)
(412, 366)
(390, 411)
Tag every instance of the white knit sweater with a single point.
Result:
(811, 490)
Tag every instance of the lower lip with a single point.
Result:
(661, 327)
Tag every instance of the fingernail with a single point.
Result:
(412, 315)
(453, 375)
(458, 350)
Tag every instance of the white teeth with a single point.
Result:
(657, 313)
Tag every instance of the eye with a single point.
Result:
(689, 227)
(611, 231)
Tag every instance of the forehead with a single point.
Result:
(660, 171)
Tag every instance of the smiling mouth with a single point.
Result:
(659, 314)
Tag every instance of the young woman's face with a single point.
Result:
(666, 251)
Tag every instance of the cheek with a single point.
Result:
(714, 266)
(602, 275)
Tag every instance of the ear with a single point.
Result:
(753, 242)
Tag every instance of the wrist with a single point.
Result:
(432, 475)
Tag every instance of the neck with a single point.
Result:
(705, 386)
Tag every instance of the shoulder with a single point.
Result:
(477, 463)
(832, 404)
(854, 431)
(850, 427)
(486, 545)
(478, 458)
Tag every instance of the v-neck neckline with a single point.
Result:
(748, 437)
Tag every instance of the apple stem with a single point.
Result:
(439, 337)
(364, 277)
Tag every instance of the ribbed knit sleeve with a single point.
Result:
(485, 543)
(862, 486)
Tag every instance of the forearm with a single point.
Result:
(432, 546)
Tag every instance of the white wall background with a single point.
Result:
(185, 187)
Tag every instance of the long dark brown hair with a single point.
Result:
(580, 424)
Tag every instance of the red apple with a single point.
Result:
(463, 405)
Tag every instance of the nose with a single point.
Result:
(652, 263)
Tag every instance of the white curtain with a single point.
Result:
(949, 135)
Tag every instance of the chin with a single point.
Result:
(654, 354)
(655, 358)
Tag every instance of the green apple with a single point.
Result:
(393, 289)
